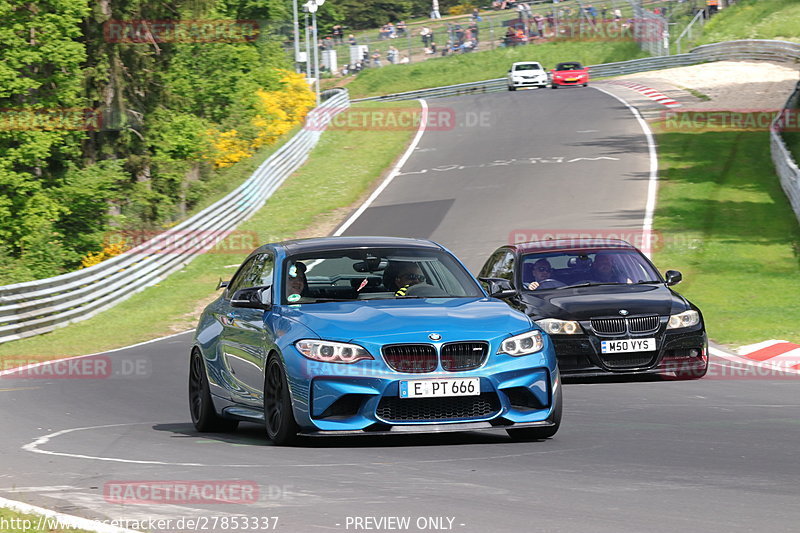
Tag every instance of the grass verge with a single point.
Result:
(340, 171)
(755, 19)
(730, 229)
(477, 66)
(28, 523)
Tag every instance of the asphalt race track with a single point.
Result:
(715, 455)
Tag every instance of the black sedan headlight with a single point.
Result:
(554, 326)
(684, 320)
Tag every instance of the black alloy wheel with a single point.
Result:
(204, 417)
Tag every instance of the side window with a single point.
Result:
(488, 269)
(256, 272)
(505, 268)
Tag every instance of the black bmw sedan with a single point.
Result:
(604, 304)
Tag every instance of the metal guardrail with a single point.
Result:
(785, 165)
(744, 50)
(35, 307)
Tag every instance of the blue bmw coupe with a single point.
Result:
(368, 335)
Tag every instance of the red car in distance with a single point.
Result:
(569, 73)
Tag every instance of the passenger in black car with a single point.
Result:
(604, 270)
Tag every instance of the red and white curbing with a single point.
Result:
(650, 93)
(780, 353)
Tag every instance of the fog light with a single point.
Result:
(694, 352)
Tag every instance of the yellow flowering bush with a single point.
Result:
(276, 113)
(108, 251)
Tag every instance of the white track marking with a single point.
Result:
(652, 187)
(395, 171)
(70, 521)
(36, 365)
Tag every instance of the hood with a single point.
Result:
(582, 303)
(350, 321)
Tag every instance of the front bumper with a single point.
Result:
(364, 398)
(528, 82)
(578, 81)
(678, 350)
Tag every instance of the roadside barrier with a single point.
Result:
(36, 307)
(744, 50)
(785, 164)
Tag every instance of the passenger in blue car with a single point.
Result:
(399, 276)
(297, 284)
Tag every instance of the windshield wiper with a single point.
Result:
(592, 284)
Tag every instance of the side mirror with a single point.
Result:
(222, 284)
(253, 298)
(673, 277)
(499, 287)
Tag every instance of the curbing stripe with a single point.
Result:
(70, 521)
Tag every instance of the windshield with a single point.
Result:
(569, 66)
(528, 66)
(556, 270)
(375, 274)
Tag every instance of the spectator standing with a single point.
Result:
(402, 29)
(338, 34)
(425, 34)
(376, 59)
(392, 54)
(351, 39)
(617, 13)
(435, 10)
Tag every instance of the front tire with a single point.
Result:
(201, 406)
(512, 88)
(554, 86)
(530, 434)
(278, 415)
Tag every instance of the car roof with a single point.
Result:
(527, 63)
(317, 244)
(564, 245)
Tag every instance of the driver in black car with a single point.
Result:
(542, 270)
(400, 276)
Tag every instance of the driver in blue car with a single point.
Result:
(400, 276)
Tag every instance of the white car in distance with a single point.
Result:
(526, 74)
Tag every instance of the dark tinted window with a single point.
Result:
(257, 272)
(591, 266)
(377, 273)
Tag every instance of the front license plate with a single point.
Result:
(571, 79)
(628, 345)
(440, 388)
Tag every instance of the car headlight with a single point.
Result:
(684, 320)
(524, 344)
(554, 326)
(332, 352)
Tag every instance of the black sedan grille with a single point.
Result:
(458, 356)
(643, 324)
(619, 326)
(608, 326)
(628, 360)
(413, 358)
(394, 409)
